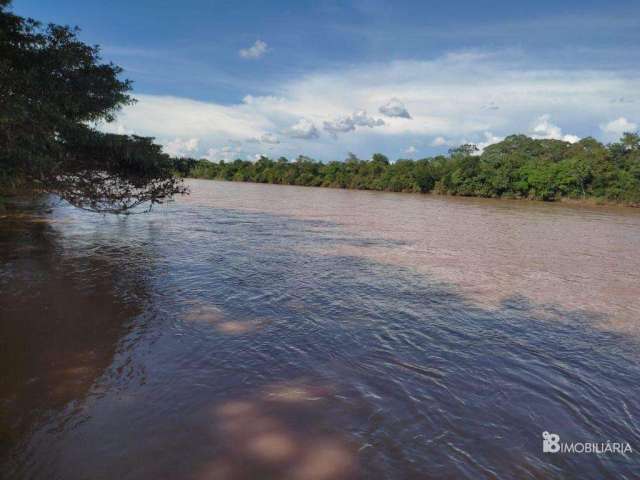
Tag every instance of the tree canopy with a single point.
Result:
(54, 89)
(517, 167)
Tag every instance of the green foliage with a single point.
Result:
(517, 167)
(52, 87)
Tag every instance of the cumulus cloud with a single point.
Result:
(411, 150)
(359, 118)
(181, 148)
(446, 95)
(303, 129)
(619, 126)
(339, 125)
(255, 51)
(440, 142)
(544, 129)
(394, 108)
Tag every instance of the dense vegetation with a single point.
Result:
(53, 88)
(517, 167)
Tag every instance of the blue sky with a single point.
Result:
(410, 79)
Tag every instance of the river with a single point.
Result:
(261, 331)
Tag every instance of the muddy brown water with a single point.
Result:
(258, 331)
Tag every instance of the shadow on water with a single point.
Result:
(63, 315)
(261, 361)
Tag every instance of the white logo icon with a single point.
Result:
(550, 442)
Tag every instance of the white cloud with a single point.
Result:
(170, 117)
(489, 139)
(446, 95)
(181, 148)
(117, 128)
(440, 142)
(359, 118)
(544, 129)
(394, 108)
(411, 150)
(482, 142)
(269, 138)
(490, 106)
(303, 129)
(227, 152)
(342, 125)
(619, 126)
(255, 51)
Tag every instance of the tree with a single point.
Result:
(380, 158)
(52, 88)
(631, 141)
(464, 150)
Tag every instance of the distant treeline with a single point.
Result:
(517, 167)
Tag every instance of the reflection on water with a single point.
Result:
(255, 331)
(215, 318)
(62, 318)
(277, 435)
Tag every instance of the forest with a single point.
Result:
(517, 167)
